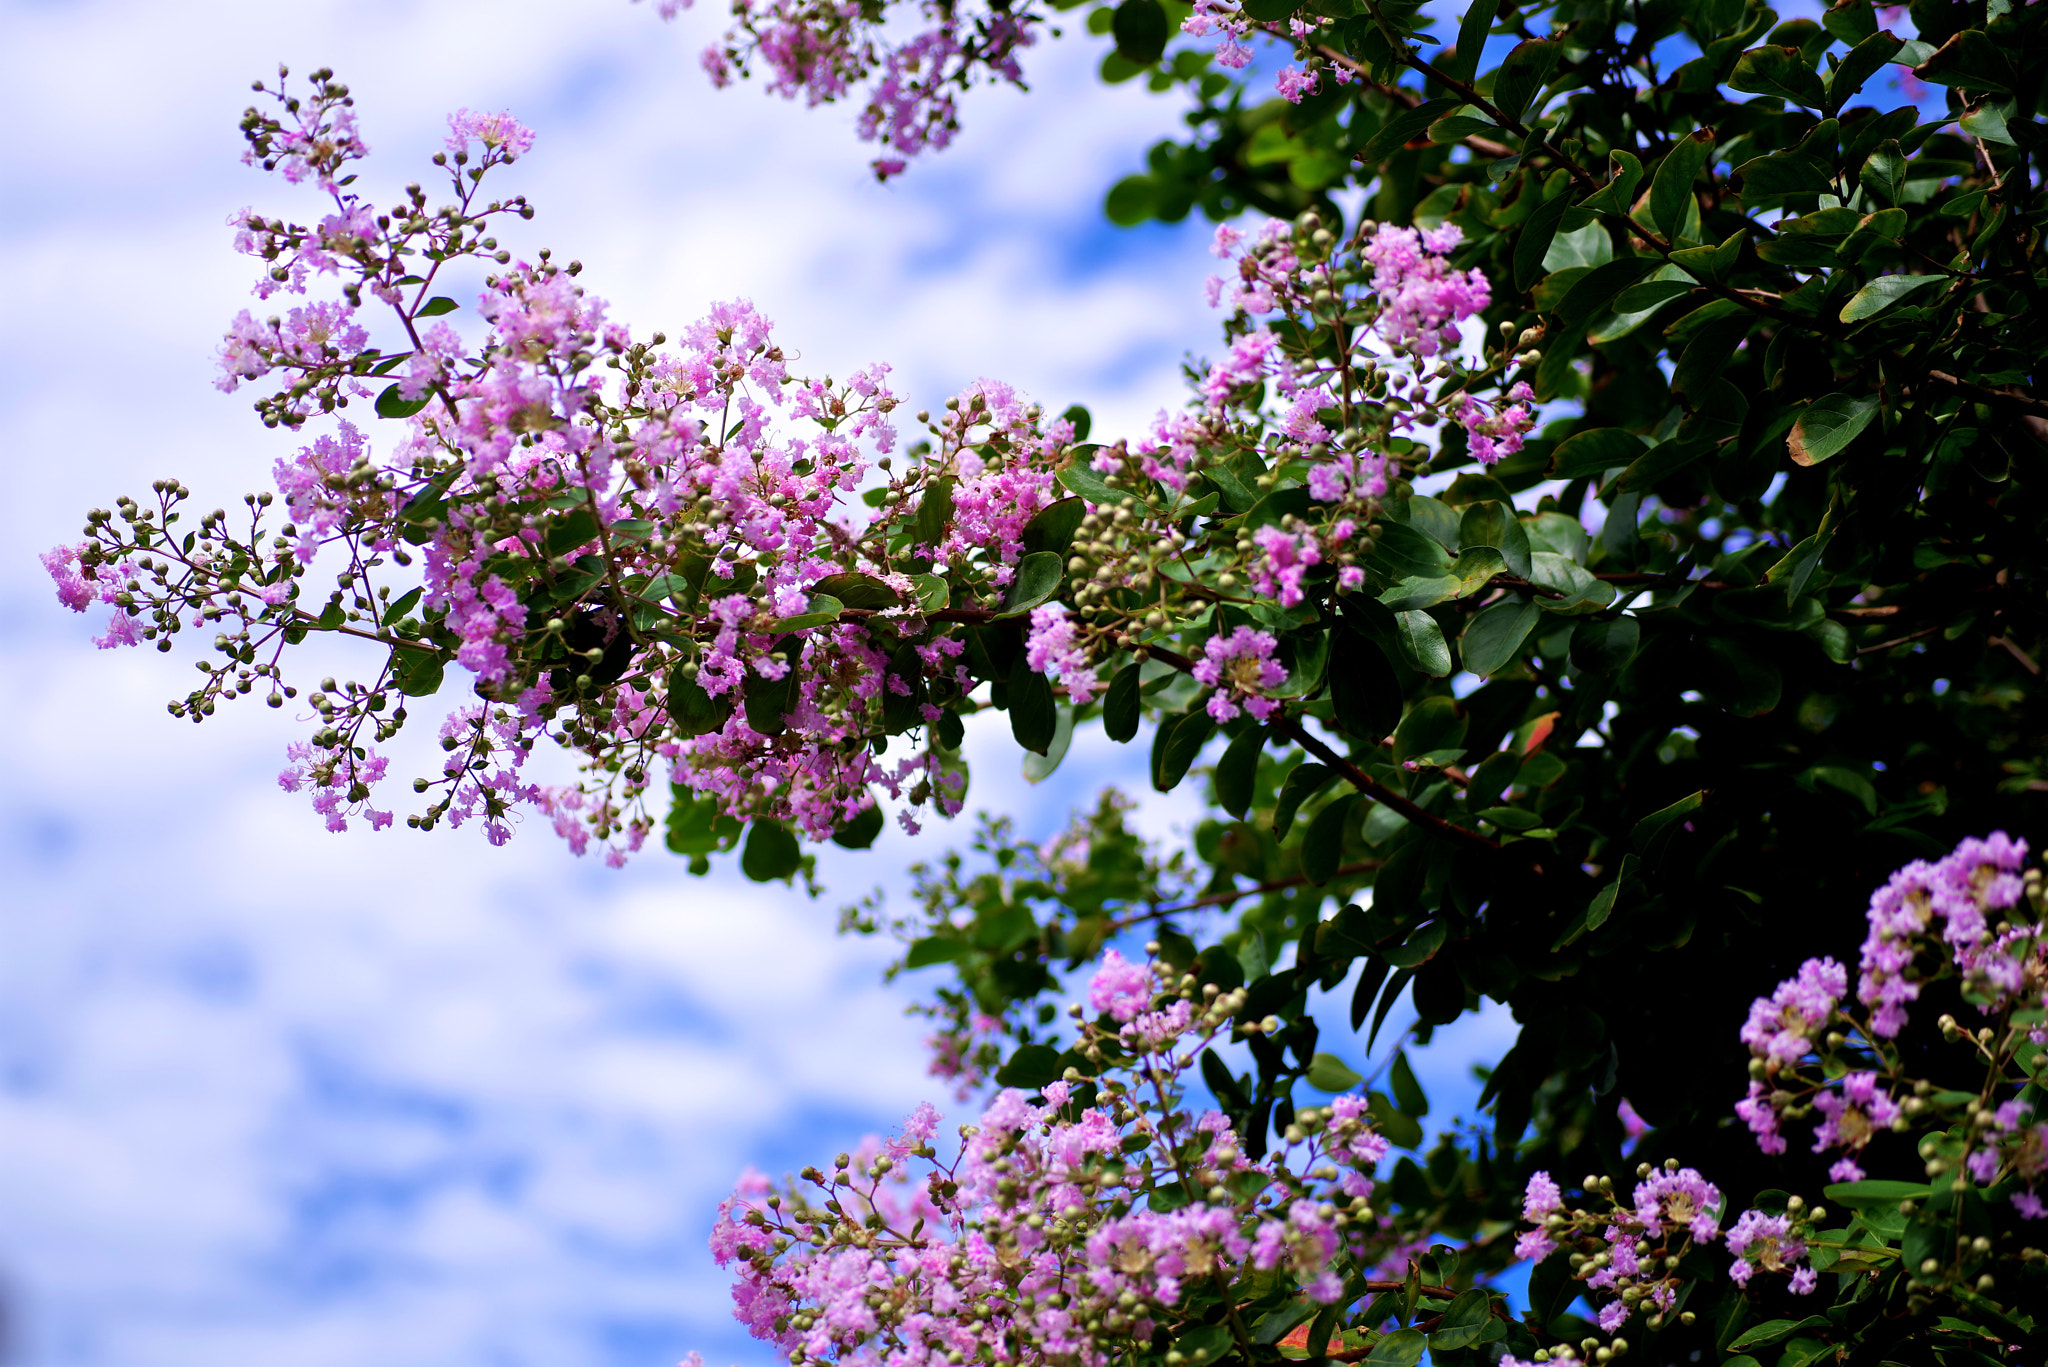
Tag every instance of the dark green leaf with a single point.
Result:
(1403, 128)
(1464, 61)
(1463, 1320)
(1522, 74)
(695, 712)
(771, 851)
(1322, 846)
(1865, 59)
(1038, 578)
(1328, 1073)
(1178, 742)
(1140, 28)
(1408, 1093)
(1780, 71)
(392, 403)
(1402, 1130)
(1671, 192)
(1365, 693)
(1601, 646)
(1431, 724)
(1828, 425)
(1120, 709)
(1303, 781)
(1493, 523)
(859, 834)
(1422, 643)
(1881, 293)
(1532, 244)
(935, 509)
(1052, 528)
(1970, 59)
(1237, 772)
(1034, 715)
(405, 603)
(1650, 835)
(437, 306)
(418, 672)
(1593, 452)
(860, 591)
(1033, 1066)
(1770, 1331)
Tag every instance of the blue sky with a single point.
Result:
(270, 1094)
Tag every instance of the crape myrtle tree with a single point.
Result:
(1598, 572)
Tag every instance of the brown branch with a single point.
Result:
(1224, 899)
(1997, 398)
(1899, 640)
(1408, 99)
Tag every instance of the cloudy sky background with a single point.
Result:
(268, 1094)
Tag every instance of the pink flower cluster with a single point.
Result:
(1240, 666)
(1632, 1250)
(1956, 898)
(1067, 1229)
(1422, 297)
(1495, 431)
(823, 49)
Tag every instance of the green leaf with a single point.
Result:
(1402, 552)
(1328, 1073)
(1038, 768)
(1881, 293)
(935, 509)
(1408, 1093)
(1033, 1066)
(771, 851)
(395, 614)
(1671, 192)
(1038, 578)
(1532, 244)
(1475, 569)
(1432, 724)
(1780, 71)
(1141, 30)
(1770, 1331)
(1237, 772)
(1883, 173)
(418, 672)
(392, 403)
(1081, 480)
(1494, 523)
(695, 712)
(822, 610)
(1593, 452)
(1650, 835)
(860, 591)
(1522, 74)
(859, 834)
(1415, 592)
(1875, 1193)
(932, 949)
(1972, 60)
(1422, 643)
(1740, 681)
(1866, 58)
(1463, 1320)
(437, 306)
(1120, 709)
(1463, 62)
(1177, 743)
(1624, 173)
(1365, 693)
(1828, 425)
(1033, 719)
(1322, 846)
(1402, 1130)
(1129, 202)
(1403, 128)
(1052, 527)
(1303, 782)
(1602, 646)
(1416, 951)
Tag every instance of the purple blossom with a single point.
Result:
(1542, 1198)
(500, 133)
(1121, 988)
(1241, 668)
(1052, 646)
